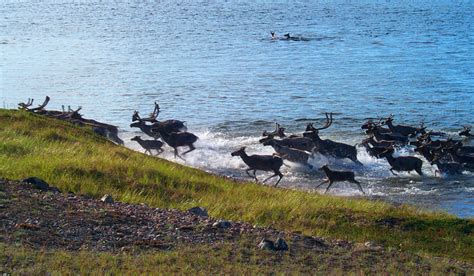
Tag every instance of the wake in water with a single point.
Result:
(373, 162)
(431, 190)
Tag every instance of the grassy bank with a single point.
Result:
(75, 159)
(220, 259)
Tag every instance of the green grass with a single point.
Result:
(224, 258)
(75, 159)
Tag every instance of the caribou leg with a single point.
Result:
(329, 186)
(176, 154)
(358, 184)
(325, 181)
(254, 176)
(191, 148)
(419, 171)
(281, 176)
(355, 160)
(276, 174)
(393, 172)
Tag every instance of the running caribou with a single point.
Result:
(328, 147)
(287, 153)
(149, 145)
(338, 176)
(402, 163)
(261, 163)
(151, 130)
(374, 131)
(402, 129)
(177, 139)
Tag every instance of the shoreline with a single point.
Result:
(77, 160)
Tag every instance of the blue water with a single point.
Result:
(213, 64)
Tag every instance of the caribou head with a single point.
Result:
(151, 118)
(311, 129)
(466, 132)
(279, 131)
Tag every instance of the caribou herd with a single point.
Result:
(450, 156)
(384, 138)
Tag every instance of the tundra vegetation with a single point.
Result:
(76, 159)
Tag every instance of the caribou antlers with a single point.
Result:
(279, 131)
(108, 131)
(152, 117)
(26, 106)
(466, 132)
(310, 126)
(328, 122)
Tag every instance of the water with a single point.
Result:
(213, 64)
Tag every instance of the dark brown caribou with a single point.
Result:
(152, 130)
(402, 163)
(261, 163)
(386, 136)
(328, 147)
(149, 145)
(466, 132)
(338, 176)
(370, 124)
(402, 129)
(73, 116)
(449, 168)
(177, 139)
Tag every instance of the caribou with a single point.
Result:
(261, 163)
(378, 144)
(152, 130)
(290, 154)
(449, 168)
(386, 136)
(466, 159)
(402, 129)
(178, 139)
(373, 151)
(466, 132)
(370, 124)
(328, 147)
(73, 116)
(279, 131)
(300, 143)
(427, 152)
(149, 145)
(338, 176)
(402, 163)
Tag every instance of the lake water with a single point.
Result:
(213, 65)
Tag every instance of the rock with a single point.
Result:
(267, 245)
(37, 183)
(314, 242)
(186, 228)
(107, 199)
(222, 224)
(343, 243)
(281, 245)
(198, 211)
(372, 246)
(28, 226)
